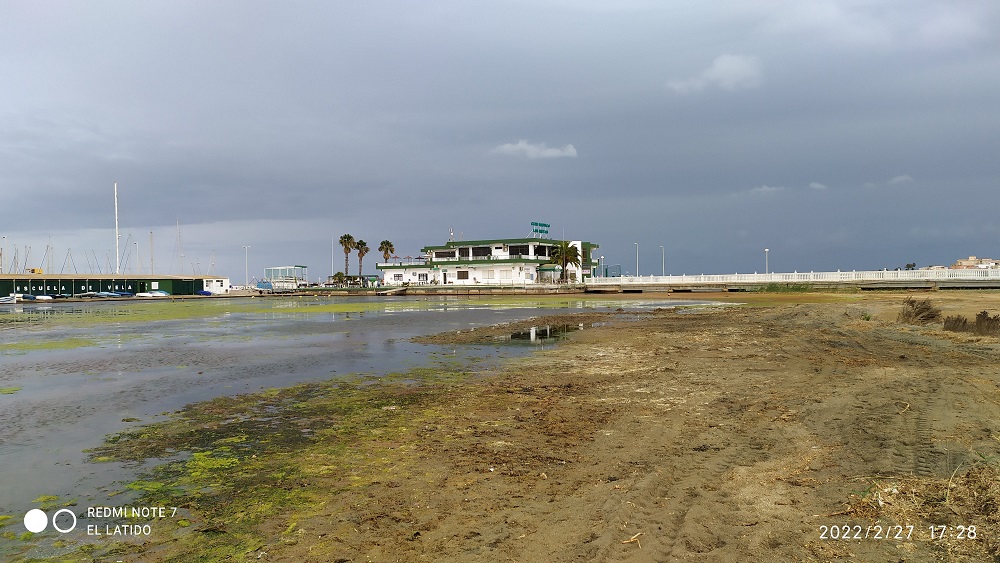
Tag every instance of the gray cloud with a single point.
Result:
(729, 72)
(283, 126)
(535, 150)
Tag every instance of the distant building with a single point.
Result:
(973, 263)
(77, 285)
(284, 278)
(488, 262)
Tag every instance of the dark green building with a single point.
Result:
(77, 285)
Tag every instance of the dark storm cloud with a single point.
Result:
(832, 132)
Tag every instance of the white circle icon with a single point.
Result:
(35, 520)
(71, 515)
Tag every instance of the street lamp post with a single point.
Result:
(246, 268)
(766, 270)
(637, 259)
(600, 264)
(663, 261)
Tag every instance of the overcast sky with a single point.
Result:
(838, 134)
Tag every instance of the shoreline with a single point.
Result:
(717, 435)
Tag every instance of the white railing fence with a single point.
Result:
(804, 277)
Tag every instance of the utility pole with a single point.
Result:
(637, 259)
(246, 267)
(118, 260)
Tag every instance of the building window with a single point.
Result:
(481, 251)
(422, 277)
(463, 252)
(463, 274)
(489, 274)
(518, 250)
(397, 277)
(504, 274)
(444, 254)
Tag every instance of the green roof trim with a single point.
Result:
(451, 245)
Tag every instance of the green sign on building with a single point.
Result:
(540, 228)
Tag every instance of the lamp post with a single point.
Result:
(637, 259)
(2, 246)
(663, 261)
(766, 271)
(600, 265)
(246, 268)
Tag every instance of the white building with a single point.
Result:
(488, 262)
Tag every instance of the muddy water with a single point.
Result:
(86, 371)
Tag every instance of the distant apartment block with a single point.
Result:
(974, 263)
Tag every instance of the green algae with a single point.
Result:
(49, 502)
(236, 462)
(9, 390)
(50, 344)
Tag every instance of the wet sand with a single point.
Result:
(723, 434)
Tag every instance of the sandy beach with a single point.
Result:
(765, 431)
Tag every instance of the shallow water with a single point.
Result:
(83, 369)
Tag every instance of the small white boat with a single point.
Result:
(8, 299)
(154, 293)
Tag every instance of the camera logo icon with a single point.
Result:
(36, 520)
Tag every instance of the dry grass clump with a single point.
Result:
(918, 312)
(967, 505)
(984, 324)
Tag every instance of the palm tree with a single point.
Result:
(347, 241)
(362, 248)
(386, 248)
(565, 254)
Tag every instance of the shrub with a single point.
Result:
(984, 324)
(918, 312)
(957, 323)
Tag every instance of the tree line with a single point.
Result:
(348, 243)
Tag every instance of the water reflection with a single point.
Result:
(543, 333)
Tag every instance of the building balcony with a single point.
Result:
(464, 260)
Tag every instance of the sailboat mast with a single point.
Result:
(118, 260)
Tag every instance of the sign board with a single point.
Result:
(540, 228)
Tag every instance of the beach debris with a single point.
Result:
(634, 539)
